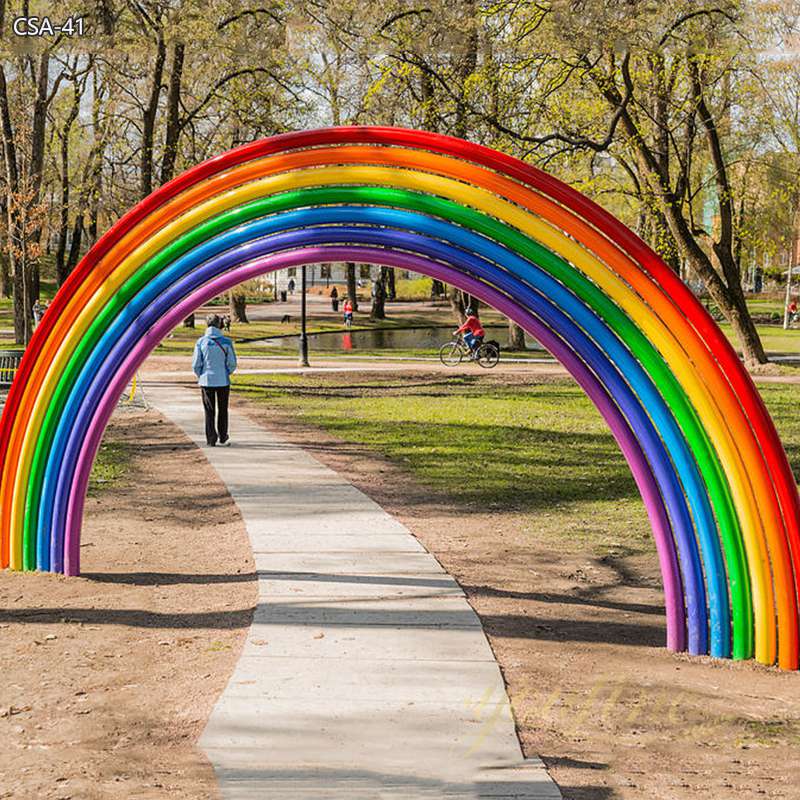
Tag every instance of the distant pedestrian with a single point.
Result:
(348, 313)
(214, 362)
(226, 323)
(335, 299)
(290, 286)
(38, 312)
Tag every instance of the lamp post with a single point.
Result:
(303, 335)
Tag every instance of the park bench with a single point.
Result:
(9, 361)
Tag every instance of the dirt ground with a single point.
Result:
(579, 638)
(106, 681)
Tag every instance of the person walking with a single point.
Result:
(348, 313)
(335, 299)
(214, 362)
(38, 312)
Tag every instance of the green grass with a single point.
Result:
(774, 338)
(485, 443)
(540, 450)
(109, 467)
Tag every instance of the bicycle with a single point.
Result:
(452, 353)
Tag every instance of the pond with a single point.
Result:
(385, 339)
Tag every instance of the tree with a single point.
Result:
(352, 286)
(23, 129)
(650, 90)
(378, 311)
(78, 78)
(516, 336)
(237, 306)
(441, 45)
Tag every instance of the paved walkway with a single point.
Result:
(365, 673)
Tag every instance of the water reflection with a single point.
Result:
(386, 339)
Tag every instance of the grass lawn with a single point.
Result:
(487, 443)
(109, 468)
(774, 338)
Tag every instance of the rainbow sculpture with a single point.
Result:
(715, 480)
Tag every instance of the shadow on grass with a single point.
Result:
(510, 468)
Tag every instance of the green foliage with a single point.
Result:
(416, 289)
(602, 93)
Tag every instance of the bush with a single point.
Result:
(416, 289)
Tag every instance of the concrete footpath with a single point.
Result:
(365, 674)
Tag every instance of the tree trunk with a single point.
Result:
(75, 243)
(466, 64)
(460, 302)
(63, 223)
(5, 277)
(723, 285)
(352, 293)
(379, 300)
(63, 226)
(516, 336)
(98, 153)
(391, 288)
(437, 289)
(237, 304)
(731, 301)
(173, 113)
(457, 306)
(149, 117)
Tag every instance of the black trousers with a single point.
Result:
(215, 404)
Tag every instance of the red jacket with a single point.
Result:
(473, 325)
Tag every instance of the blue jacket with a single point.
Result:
(214, 359)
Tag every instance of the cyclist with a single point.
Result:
(473, 331)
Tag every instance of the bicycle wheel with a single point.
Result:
(488, 356)
(451, 354)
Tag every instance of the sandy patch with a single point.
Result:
(108, 679)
